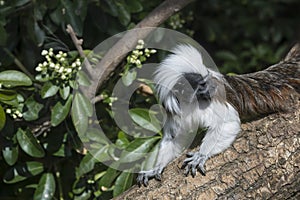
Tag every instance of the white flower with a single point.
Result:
(135, 52)
(38, 68)
(61, 70)
(69, 70)
(73, 65)
(57, 56)
(152, 51)
(44, 52)
(52, 65)
(138, 62)
(45, 63)
(132, 60)
(63, 77)
(141, 42)
(8, 110)
(62, 59)
(48, 58)
(139, 46)
(57, 66)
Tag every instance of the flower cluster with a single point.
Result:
(14, 113)
(139, 55)
(178, 21)
(57, 67)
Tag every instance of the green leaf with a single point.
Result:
(145, 119)
(83, 79)
(86, 165)
(33, 109)
(10, 152)
(2, 118)
(149, 163)
(49, 90)
(3, 36)
(13, 78)
(39, 34)
(64, 92)
(84, 196)
(123, 182)
(97, 136)
(133, 6)
(108, 178)
(85, 104)
(100, 152)
(29, 143)
(129, 77)
(122, 140)
(60, 112)
(123, 14)
(21, 2)
(46, 187)
(137, 149)
(7, 95)
(81, 110)
(23, 171)
(79, 118)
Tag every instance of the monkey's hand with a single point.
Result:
(144, 176)
(194, 161)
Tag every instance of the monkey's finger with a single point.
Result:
(193, 171)
(190, 154)
(139, 180)
(187, 170)
(158, 177)
(185, 163)
(145, 181)
(201, 169)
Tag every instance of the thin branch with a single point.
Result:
(118, 52)
(78, 44)
(18, 63)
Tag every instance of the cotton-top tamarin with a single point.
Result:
(196, 96)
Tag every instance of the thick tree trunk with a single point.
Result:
(263, 163)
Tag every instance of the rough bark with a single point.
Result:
(263, 163)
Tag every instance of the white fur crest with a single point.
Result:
(185, 59)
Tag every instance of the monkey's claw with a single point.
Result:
(193, 162)
(144, 176)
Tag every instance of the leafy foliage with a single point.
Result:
(40, 118)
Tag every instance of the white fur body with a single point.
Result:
(221, 119)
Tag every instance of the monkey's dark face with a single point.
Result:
(193, 86)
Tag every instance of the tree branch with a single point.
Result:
(263, 162)
(78, 44)
(118, 52)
